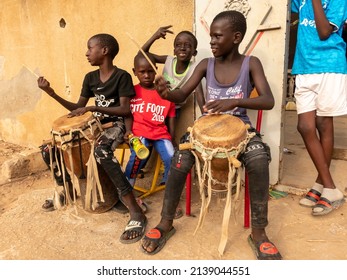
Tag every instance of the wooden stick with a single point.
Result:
(36, 75)
(144, 54)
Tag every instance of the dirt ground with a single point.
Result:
(28, 233)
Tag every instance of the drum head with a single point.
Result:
(219, 131)
(66, 122)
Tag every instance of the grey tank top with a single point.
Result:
(240, 88)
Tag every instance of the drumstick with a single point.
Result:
(185, 146)
(31, 71)
(144, 54)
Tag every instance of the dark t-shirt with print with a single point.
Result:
(107, 94)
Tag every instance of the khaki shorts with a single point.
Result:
(324, 93)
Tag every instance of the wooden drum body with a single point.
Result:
(75, 137)
(74, 134)
(219, 139)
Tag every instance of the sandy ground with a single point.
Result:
(28, 233)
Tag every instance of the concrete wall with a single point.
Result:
(33, 42)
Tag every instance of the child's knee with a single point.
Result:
(304, 128)
(102, 152)
(183, 160)
(256, 151)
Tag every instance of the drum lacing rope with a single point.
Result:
(205, 172)
(93, 187)
(56, 198)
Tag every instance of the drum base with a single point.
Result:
(109, 192)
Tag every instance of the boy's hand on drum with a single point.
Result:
(79, 112)
(45, 86)
(219, 106)
(162, 87)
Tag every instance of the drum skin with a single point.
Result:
(80, 148)
(66, 123)
(219, 131)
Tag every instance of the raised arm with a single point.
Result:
(46, 87)
(160, 33)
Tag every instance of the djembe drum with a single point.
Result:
(74, 137)
(217, 140)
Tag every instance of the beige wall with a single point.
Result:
(33, 41)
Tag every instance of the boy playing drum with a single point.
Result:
(112, 89)
(230, 78)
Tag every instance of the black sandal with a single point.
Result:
(48, 205)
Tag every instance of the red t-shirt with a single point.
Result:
(149, 113)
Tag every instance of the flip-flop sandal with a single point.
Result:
(264, 250)
(137, 226)
(48, 205)
(327, 206)
(178, 213)
(158, 237)
(311, 198)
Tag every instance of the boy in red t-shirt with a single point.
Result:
(152, 119)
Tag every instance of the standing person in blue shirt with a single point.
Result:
(344, 34)
(321, 91)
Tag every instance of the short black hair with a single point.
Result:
(195, 41)
(140, 55)
(107, 40)
(236, 20)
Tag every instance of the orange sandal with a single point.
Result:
(264, 250)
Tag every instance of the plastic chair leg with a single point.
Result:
(188, 192)
(247, 204)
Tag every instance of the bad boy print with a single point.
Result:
(101, 101)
